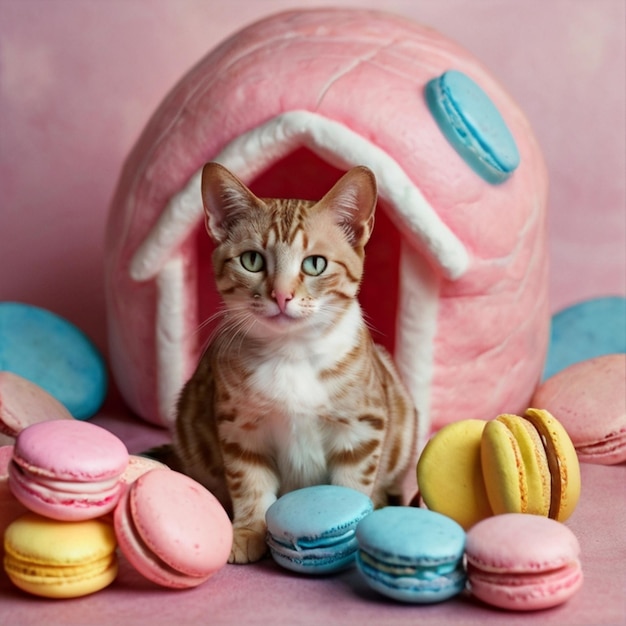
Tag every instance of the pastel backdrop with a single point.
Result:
(78, 81)
(80, 78)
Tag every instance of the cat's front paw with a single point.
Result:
(248, 545)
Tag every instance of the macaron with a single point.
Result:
(56, 559)
(522, 562)
(312, 530)
(473, 125)
(172, 530)
(23, 403)
(530, 465)
(54, 354)
(138, 466)
(450, 476)
(10, 507)
(586, 330)
(411, 555)
(589, 399)
(68, 469)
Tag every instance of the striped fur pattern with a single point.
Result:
(291, 391)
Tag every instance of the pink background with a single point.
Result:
(80, 78)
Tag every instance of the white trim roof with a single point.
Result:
(254, 151)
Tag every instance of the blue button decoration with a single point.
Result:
(54, 354)
(586, 330)
(473, 125)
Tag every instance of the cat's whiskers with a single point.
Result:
(370, 325)
(220, 314)
(222, 310)
(236, 328)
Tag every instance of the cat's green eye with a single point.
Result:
(252, 261)
(314, 265)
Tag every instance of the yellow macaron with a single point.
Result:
(58, 559)
(449, 473)
(529, 465)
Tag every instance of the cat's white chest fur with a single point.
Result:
(294, 385)
(297, 400)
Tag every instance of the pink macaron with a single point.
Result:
(67, 469)
(23, 403)
(172, 529)
(10, 507)
(522, 562)
(138, 466)
(589, 400)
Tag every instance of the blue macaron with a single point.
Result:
(51, 352)
(585, 330)
(473, 125)
(412, 555)
(312, 530)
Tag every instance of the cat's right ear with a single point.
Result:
(225, 198)
(353, 203)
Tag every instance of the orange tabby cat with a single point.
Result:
(291, 391)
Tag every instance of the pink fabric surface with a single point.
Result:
(266, 594)
(79, 79)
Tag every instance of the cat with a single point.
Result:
(291, 390)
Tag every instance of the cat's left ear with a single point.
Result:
(226, 199)
(353, 202)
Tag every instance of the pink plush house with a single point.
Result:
(456, 271)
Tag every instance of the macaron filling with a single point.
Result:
(556, 462)
(431, 583)
(419, 572)
(26, 485)
(613, 443)
(27, 572)
(322, 554)
(527, 590)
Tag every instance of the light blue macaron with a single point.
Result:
(54, 354)
(412, 555)
(312, 530)
(473, 125)
(585, 330)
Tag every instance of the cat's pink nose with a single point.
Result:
(282, 297)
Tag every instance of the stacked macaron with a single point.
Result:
(67, 473)
(71, 476)
(473, 469)
(68, 470)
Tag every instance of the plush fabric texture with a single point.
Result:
(456, 272)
